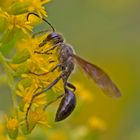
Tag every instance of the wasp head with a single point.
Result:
(55, 38)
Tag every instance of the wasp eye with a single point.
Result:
(66, 106)
(55, 37)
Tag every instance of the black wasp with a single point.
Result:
(67, 60)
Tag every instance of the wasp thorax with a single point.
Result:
(55, 38)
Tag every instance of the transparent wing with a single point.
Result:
(99, 77)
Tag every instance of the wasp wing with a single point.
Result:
(99, 77)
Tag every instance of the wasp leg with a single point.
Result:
(51, 61)
(41, 74)
(57, 45)
(52, 48)
(71, 86)
(42, 53)
(51, 102)
(39, 93)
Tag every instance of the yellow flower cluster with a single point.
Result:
(13, 17)
(30, 73)
(38, 74)
(12, 124)
(15, 22)
(29, 70)
(35, 79)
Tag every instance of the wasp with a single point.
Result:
(68, 59)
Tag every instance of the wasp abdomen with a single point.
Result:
(66, 106)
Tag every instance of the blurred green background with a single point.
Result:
(107, 33)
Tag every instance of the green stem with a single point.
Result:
(11, 83)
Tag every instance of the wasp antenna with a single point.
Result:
(31, 13)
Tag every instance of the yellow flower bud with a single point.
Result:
(12, 128)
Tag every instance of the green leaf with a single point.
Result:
(21, 69)
(25, 82)
(21, 57)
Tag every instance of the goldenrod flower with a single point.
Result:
(27, 93)
(37, 74)
(12, 127)
(16, 21)
(40, 76)
(12, 124)
(97, 124)
(36, 5)
(40, 63)
(38, 117)
(83, 92)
